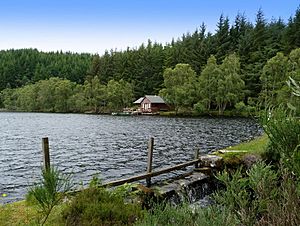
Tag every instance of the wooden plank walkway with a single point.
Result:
(198, 160)
(151, 174)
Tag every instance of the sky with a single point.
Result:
(93, 26)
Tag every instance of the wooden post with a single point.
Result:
(196, 157)
(46, 155)
(149, 160)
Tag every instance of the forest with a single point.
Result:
(239, 66)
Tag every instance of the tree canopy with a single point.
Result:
(241, 50)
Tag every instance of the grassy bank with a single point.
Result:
(238, 154)
(20, 213)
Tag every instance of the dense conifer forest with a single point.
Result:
(240, 65)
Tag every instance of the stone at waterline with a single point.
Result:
(212, 161)
(179, 190)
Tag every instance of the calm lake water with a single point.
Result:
(112, 146)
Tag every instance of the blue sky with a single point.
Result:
(95, 25)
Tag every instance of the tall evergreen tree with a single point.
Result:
(292, 36)
(222, 38)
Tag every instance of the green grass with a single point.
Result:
(256, 147)
(19, 213)
(100, 206)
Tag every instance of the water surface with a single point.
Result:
(115, 147)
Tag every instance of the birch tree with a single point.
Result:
(273, 78)
(208, 82)
(230, 88)
(180, 86)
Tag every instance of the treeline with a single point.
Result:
(222, 86)
(25, 66)
(217, 87)
(255, 44)
(62, 95)
(143, 67)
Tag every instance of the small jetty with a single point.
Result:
(200, 176)
(189, 186)
(128, 112)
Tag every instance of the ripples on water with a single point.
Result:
(112, 146)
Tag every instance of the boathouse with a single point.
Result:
(151, 104)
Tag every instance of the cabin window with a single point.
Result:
(147, 106)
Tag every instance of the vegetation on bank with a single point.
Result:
(245, 153)
(239, 67)
(218, 87)
(256, 146)
(61, 95)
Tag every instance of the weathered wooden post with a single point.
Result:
(149, 160)
(196, 157)
(46, 154)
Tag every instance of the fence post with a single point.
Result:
(46, 155)
(149, 160)
(196, 157)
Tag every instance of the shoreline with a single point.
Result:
(171, 114)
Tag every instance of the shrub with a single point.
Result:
(258, 196)
(48, 193)
(165, 214)
(261, 197)
(98, 206)
(240, 106)
(284, 207)
(215, 216)
(199, 108)
(283, 130)
(235, 198)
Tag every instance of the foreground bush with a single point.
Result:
(167, 215)
(261, 197)
(98, 206)
(48, 192)
(283, 130)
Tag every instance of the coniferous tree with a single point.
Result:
(292, 36)
(144, 66)
(222, 38)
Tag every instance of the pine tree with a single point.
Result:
(222, 38)
(292, 36)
